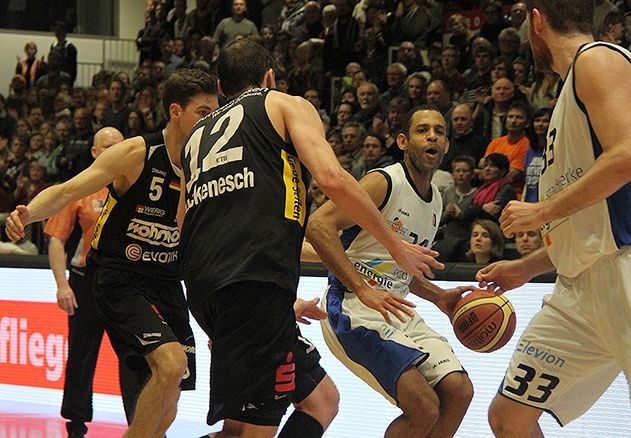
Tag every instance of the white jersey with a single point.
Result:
(574, 243)
(412, 218)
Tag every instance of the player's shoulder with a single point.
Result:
(284, 100)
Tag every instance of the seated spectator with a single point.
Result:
(486, 244)
(415, 88)
(368, 97)
(316, 196)
(450, 60)
(343, 113)
(490, 111)
(453, 231)
(514, 145)
(27, 187)
(528, 241)
(534, 156)
(409, 56)
(36, 149)
(352, 135)
(395, 79)
(545, 90)
(7, 121)
(495, 192)
(334, 138)
(373, 153)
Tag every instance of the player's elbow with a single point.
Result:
(331, 180)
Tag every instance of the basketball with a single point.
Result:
(483, 321)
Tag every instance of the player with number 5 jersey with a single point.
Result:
(133, 263)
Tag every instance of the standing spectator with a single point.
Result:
(373, 43)
(67, 51)
(178, 20)
(534, 156)
(7, 121)
(236, 25)
(340, 43)
(292, 17)
(464, 140)
(148, 39)
(205, 17)
(31, 68)
(50, 84)
(116, 114)
(312, 26)
(411, 23)
(490, 112)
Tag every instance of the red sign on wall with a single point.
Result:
(34, 348)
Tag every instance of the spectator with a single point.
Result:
(544, 90)
(100, 109)
(117, 113)
(343, 113)
(352, 134)
(67, 51)
(515, 144)
(178, 19)
(50, 83)
(31, 68)
(495, 192)
(205, 17)
(534, 156)
(416, 87)
(77, 155)
(334, 138)
(397, 109)
(408, 56)
(36, 150)
(463, 140)
(236, 25)
(494, 21)
(27, 187)
(373, 43)
(341, 41)
(601, 9)
(478, 78)
(411, 23)
(613, 30)
(454, 231)
(53, 151)
(373, 154)
(304, 74)
(509, 43)
(449, 61)
(439, 94)
(292, 17)
(7, 121)
(490, 112)
(486, 242)
(316, 196)
(395, 80)
(312, 26)
(368, 98)
(528, 241)
(518, 14)
(460, 38)
(148, 39)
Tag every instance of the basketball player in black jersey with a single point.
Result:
(133, 262)
(243, 212)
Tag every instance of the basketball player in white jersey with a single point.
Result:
(402, 358)
(581, 339)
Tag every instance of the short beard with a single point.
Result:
(541, 53)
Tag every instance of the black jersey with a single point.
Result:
(138, 231)
(245, 200)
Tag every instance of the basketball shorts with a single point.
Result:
(143, 313)
(253, 363)
(378, 352)
(577, 344)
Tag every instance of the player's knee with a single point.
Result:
(169, 364)
(331, 401)
(464, 389)
(498, 418)
(425, 411)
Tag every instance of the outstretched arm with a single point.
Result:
(120, 162)
(299, 121)
(505, 275)
(445, 300)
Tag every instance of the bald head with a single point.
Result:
(462, 119)
(104, 138)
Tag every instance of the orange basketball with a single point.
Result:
(483, 321)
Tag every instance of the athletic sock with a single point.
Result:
(301, 425)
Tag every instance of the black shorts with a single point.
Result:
(144, 313)
(252, 366)
(309, 372)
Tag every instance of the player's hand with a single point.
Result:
(308, 309)
(15, 223)
(417, 260)
(450, 297)
(521, 216)
(386, 303)
(66, 300)
(501, 276)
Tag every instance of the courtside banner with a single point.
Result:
(34, 348)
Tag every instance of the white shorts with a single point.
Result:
(378, 352)
(577, 344)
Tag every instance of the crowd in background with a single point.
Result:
(362, 64)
